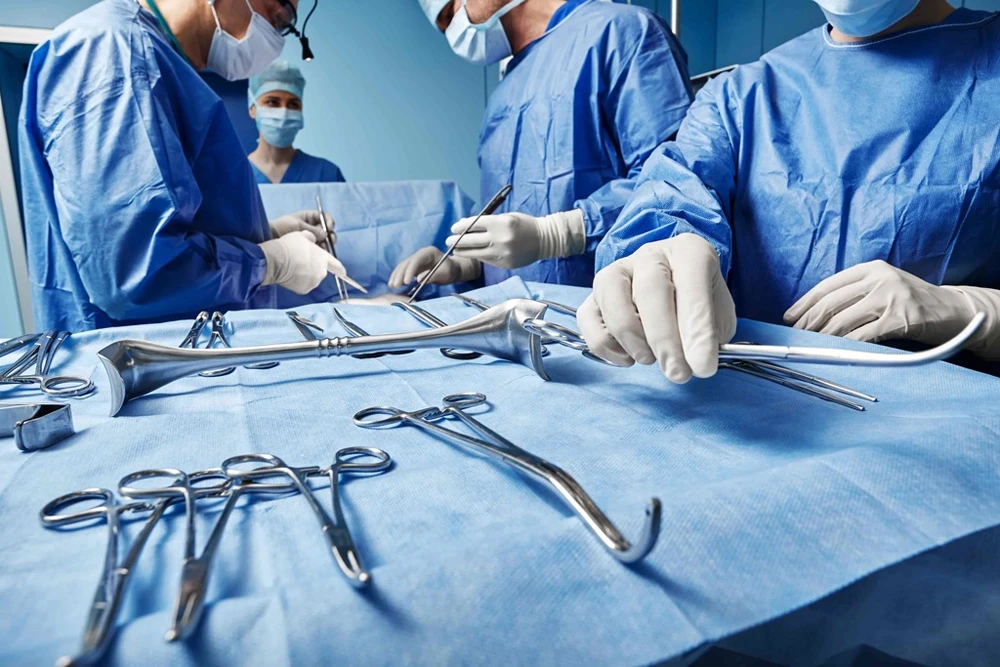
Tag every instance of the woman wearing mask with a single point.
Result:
(276, 106)
(139, 202)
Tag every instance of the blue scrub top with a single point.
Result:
(576, 116)
(305, 168)
(139, 203)
(823, 155)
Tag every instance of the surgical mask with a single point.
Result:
(278, 127)
(236, 59)
(864, 18)
(480, 43)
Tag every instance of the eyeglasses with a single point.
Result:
(285, 18)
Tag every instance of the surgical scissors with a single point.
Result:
(335, 531)
(500, 449)
(107, 601)
(42, 354)
(436, 323)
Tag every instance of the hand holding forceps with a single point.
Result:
(499, 448)
(42, 352)
(100, 626)
(336, 532)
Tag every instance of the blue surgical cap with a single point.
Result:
(433, 8)
(280, 75)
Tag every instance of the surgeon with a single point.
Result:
(276, 106)
(140, 205)
(847, 183)
(592, 89)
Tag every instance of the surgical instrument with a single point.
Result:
(335, 531)
(750, 368)
(42, 353)
(195, 570)
(495, 203)
(219, 338)
(786, 377)
(500, 449)
(434, 322)
(309, 329)
(194, 333)
(357, 332)
(330, 247)
(803, 355)
(36, 426)
(100, 626)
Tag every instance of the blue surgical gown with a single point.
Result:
(139, 202)
(577, 114)
(821, 156)
(305, 168)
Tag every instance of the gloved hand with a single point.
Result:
(875, 301)
(304, 221)
(295, 262)
(513, 240)
(668, 303)
(454, 270)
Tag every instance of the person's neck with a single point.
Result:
(928, 12)
(269, 155)
(529, 21)
(192, 24)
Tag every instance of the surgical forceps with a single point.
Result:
(219, 338)
(107, 601)
(335, 531)
(435, 323)
(495, 203)
(500, 449)
(42, 353)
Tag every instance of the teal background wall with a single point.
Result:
(387, 100)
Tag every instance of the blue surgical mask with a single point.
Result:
(278, 127)
(864, 18)
(480, 43)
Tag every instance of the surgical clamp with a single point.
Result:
(356, 332)
(42, 354)
(335, 531)
(219, 338)
(107, 601)
(499, 448)
(330, 247)
(433, 321)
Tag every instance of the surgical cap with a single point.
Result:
(280, 75)
(432, 8)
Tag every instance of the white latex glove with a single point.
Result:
(295, 262)
(876, 301)
(414, 267)
(304, 221)
(513, 240)
(666, 303)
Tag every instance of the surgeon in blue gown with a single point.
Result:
(848, 182)
(276, 98)
(592, 89)
(139, 202)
